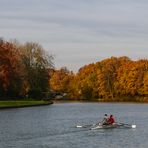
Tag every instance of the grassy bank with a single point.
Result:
(16, 104)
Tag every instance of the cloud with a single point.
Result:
(78, 30)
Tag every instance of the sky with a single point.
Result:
(78, 32)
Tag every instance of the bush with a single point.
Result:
(36, 93)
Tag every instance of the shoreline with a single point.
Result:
(95, 101)
(23, 104)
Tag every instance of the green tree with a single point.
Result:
(37, 64)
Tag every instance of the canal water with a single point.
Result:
(54, 126)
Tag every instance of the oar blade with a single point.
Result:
(133, 126)
(79, 126)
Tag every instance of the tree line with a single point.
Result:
(27, 71)
(24, 70)
(112, 79)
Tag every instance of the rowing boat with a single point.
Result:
(104, 126)
(111, 126)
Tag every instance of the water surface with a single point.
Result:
(53, 126)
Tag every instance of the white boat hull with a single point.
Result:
(104, 126)
(112, 126)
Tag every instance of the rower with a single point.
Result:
(105, 120)
(111, 120)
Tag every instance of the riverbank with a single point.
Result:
(114, 100)
(18, 104)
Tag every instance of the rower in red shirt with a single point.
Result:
(111, 120)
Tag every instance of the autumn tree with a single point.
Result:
(60, 80)
(10, 70)
(112, 79)
(107, 74)
(86, 82)
(37, 63)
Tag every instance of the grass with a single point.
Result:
(13, 104)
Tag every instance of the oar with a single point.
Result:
(84, 126)
(129, 125)
(88, 125)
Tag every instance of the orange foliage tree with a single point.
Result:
(113, 79)
(60, 80)
(10, 69)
